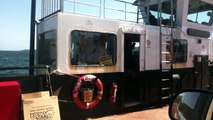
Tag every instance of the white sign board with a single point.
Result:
(35, 95)
(45, 108)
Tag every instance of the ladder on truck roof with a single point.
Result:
(166, 54)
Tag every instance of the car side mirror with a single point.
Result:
(192, 105)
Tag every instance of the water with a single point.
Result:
(14, 59)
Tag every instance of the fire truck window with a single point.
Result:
(93, 48)
(180, 51)
(46, 48)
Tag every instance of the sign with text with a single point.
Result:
(106, 60)
(45, 108)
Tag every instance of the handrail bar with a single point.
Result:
(21, 68)
(49, 85)
(125, 11)
(43, 18)
(87, 4)
(123, 1)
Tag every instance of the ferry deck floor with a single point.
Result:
(149, 114)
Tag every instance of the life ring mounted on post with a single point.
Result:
(76, 90)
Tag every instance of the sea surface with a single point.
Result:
(14, 59)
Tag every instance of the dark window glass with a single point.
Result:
(93, 48)
(46, 48)
(165, 13)
(200, 12)
(180, 51)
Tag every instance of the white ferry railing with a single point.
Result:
(79, 3)
(113, 9)
(126, 12)
(49, 7)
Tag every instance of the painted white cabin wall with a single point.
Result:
(142, 51)
(68, 23)
(193, 47)
(63, 45)
(65, 23)
(152, 56)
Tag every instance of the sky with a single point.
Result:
(15, 24)
(15, 20)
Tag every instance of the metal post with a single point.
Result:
(138, 14)
(51, 6)
(100, 8)
(42, 9)
(62, 5)
(74, 6)
(45, 8)
(48, 7)
(148, 12)
(57, 4)
(32, 36)
(125, 10)
(104, 9)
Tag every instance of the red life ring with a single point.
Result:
(76, 91)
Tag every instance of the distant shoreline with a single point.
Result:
(14, 50)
